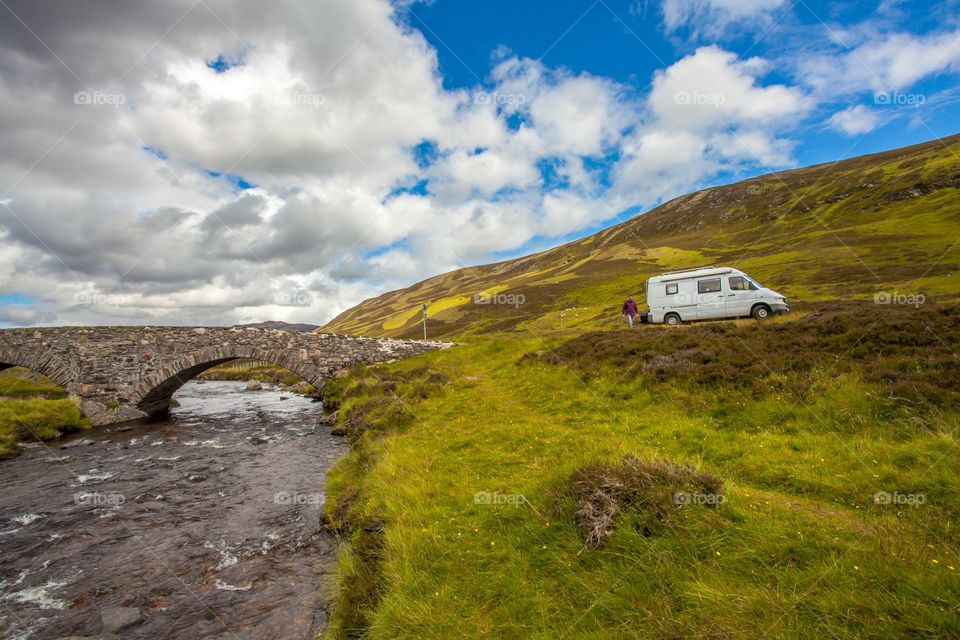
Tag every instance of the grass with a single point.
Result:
(257, 370)
(465, 503)
(34, 408)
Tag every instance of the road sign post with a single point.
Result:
(424, 320)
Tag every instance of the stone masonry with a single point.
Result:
(117, 374)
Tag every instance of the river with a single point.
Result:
(202, 525)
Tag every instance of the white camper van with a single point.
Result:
(707, 293)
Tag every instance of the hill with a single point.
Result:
(849, 229)
(278, 324)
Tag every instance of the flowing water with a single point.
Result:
(203, 525)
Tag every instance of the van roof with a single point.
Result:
(692, 273)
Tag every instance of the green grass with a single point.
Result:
(255, 370)
(33, 408)
(458, 513)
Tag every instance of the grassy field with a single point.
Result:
(793, 479)
(33, 408)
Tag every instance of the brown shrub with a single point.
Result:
(654, 489)
(911, 352)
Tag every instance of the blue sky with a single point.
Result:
(627, 41)
(218, 161)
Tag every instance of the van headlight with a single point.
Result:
(782, 299)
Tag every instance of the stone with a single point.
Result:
(83, 442)
(116, 374)
(338, 431)
(117, 618)
(254, 385)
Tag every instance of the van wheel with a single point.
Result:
(672, 319)
(761, 312)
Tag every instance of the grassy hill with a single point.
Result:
(556, 475)
(883, 222)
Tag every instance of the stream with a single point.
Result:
(202, 525)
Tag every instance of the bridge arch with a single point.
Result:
(43, 362)
(156, 390)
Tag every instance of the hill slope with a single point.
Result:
(883, 222)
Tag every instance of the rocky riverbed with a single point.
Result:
(202, 525)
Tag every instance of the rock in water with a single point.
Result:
(254, 385)
(339, 431)
(117, 618)
(77, 443)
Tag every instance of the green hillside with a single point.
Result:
(556, 475)
(850, 229)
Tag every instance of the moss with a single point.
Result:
(33, 409)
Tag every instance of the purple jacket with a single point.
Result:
(630, 308)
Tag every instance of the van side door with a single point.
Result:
(711, 297)
(740, 296)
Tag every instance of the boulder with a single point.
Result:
(253, 385)
(117, 618)
(339, 431)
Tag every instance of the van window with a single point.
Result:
(739, 283)
(672, 289)
(708, 286)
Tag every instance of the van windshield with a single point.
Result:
(754, 282)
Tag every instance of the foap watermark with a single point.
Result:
(897, 498)
(910, 299)
(292, 498)
(500, 99)
(898, 99)
(681, 498)
(293, 298)
(699, 98)
(302, 99)
(94, 299)
(512, 299)
(497, 498)
(99, 98)
(97, 499)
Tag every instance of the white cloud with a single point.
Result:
(855, 120)
(880, 62)
(714, 88)
(713, 17)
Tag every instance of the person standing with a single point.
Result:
(629, 310)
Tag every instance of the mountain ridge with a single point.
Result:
(830, 230)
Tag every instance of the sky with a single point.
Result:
(212, 162)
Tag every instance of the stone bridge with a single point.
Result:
(117, 374)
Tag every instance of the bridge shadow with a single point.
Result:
(157, 400)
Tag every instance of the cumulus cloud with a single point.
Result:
(854, 121)
(709, 111)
